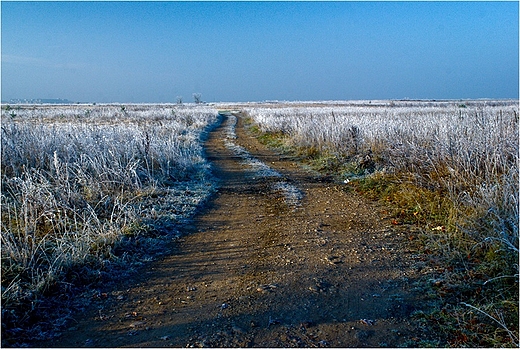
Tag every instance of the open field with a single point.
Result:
(95, 192)
(469, 151)
(83, 185)
(450, 168)
(279, 257)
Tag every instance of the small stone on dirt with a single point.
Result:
(137, 323)
(314, 288)
(367, 322)
(266, 288)
(334, 259)
(237, 329)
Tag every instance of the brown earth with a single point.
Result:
(254, 270)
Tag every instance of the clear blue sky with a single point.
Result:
(253, 51)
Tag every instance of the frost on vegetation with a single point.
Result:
(76, 179)
(176, 203)
(465, 156)
(260, 169)
(467, 149)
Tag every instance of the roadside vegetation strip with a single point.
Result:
(83, 186)
(448, 168)
(292, 194)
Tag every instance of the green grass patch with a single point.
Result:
(467, 271)
(472, 291)
(273, 139)
(276, 140)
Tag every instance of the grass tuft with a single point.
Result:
(451, 173)
(89, 191)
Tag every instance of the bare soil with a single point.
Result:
(255, 270)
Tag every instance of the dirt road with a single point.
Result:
(280, 257)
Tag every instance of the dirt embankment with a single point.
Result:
(280, 257)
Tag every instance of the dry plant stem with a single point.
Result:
(500, 322)
(500, 277)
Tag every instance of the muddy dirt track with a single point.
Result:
(280, 257)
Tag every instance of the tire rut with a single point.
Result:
(262, 268)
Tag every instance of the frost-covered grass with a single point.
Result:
(81, 181)
(291, 194)
(471, 152)
(451, 168)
